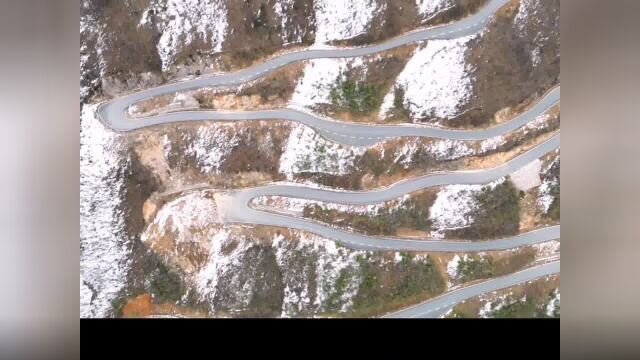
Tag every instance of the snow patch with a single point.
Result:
(448, 149)
(195, 210)
(430, 7)
(548, 250)
(491, 143)
(485, 310)
(206, 279)
(553, 303)
(320, 76)
(447, 313)
(307, 151)
(296, 205)
(454, 206)
(443, 149)
(435, 81)
(343, 19)
(545, 198)
(331, 261)
(91, 29)
(290, 34)
(489, 308)
(452, 267)
(526, 8)
(527, 12)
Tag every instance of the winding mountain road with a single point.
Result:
(238, 210)
(114, 114)
(237, 207)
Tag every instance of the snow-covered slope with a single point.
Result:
(224, 278)
(238, 270)
(342, 19)
(320, 76)
(435, 81)
(210, 146)
(103, 240)
(307, 151)
(428, 8)
(186, 21)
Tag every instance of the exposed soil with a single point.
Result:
(143, 306)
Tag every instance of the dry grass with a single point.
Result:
(536, 289)
(502, 263)
(509, 82)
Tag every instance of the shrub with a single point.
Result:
(498, 213)
(357, 97)
(414, 214)
(166, 285)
